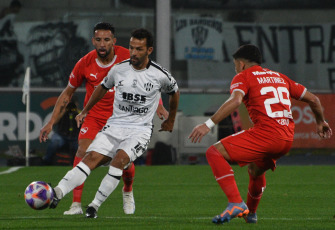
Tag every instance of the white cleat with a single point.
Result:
(75, 209)
(128, 202)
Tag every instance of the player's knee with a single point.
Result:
(94, 159)
(121, 160)
(210, 152)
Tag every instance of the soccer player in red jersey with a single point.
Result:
(267, 96)
(92, 68)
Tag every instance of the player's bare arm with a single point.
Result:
(233, 102)
(98, 93)
(161, 112)
(58, 111)
(167, 125)
(322, 127)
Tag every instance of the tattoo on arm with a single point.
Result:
(63, 107)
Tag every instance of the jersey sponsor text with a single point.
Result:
(129, 97)
(133, 109)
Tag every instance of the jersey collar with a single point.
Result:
(108, 65)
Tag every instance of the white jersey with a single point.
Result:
(137, 93)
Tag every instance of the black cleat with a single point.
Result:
(91, 212)
(55, 199)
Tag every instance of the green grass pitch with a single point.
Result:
(177, 197)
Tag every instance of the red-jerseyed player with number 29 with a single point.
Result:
(92, 68)
(267, 96)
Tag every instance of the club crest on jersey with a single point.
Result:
(84, 130)
(148, 86)
(199, 35)
(134, 85)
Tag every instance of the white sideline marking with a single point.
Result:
(10, 170)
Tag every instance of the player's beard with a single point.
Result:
(137, 61)
(107, 52)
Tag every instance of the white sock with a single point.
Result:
(107, 186)
(73, 178)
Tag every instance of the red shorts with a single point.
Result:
(251, 146)
(91, 127)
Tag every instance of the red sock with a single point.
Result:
(77, 192)
(128, 178)
(255, 191)
(223, 174)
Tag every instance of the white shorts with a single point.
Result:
(111, 139)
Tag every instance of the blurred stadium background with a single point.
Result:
(194, 40)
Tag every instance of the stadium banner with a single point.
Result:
(198, 38)
(305, 135)
(13, 120)
(51, 49)
(303, 52)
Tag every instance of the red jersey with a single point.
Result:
(267, 97)
(89, 68)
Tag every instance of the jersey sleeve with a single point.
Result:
(239, 83)
(169, 84)
(297, 91)
(108, 82)
(77, 77)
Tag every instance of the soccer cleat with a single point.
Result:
(251, 218)
(91, 212)
(233, 210)
(55, 199)
(128, 202)
(75, 209)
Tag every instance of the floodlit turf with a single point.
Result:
(177, 197)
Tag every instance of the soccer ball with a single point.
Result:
(38, 195)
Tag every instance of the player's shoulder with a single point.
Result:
(120, 50)
(122, 65)
(92, 55)
(154, 66)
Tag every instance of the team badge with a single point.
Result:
(84, 130)
(148, 86)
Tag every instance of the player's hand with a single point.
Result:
(80, 118)
(44, 132)
(167, 125)
(324, 130)
(162, 113)
(198, 133)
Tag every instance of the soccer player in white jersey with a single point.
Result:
(127, 132)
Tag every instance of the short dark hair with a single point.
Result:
(249, 52)
(143, 33)
(104, 26)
